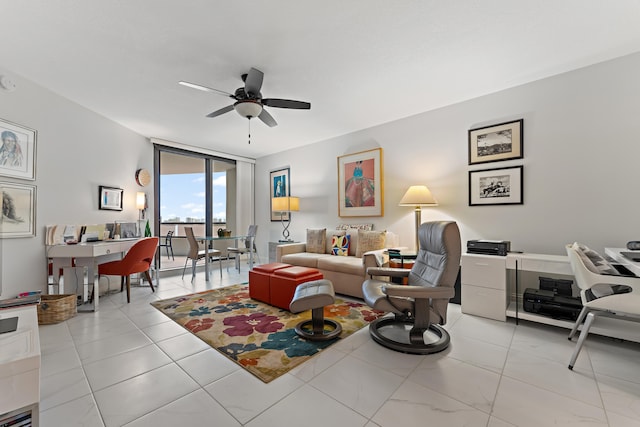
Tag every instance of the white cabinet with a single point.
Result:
(20, 367)
(484, 286)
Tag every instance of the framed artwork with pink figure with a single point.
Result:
(360, 184)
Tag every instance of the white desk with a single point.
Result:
(20, 365)
(88, 255)
(615, 253)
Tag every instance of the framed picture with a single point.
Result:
(18, 210)
(110, 198)
(360, 191)
(17, 151)
(280, 187)
(496, 143)
(501, 186)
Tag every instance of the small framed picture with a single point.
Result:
(501, 186)
(360, 180)
(18, 210)
(495, 143)
(110, 198)
(280, 185)
(17, 151)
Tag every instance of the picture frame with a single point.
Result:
(500, 186)
(495, 143)
(280, 186)
(18, 210)
(110, 198)
(17, 151)
(360, 184)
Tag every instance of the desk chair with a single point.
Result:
(421, 306)
(196, 254)
(167, 244)
(604, 292)
(137, 260)
(246, 247)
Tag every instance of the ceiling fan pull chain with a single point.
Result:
(249, 120)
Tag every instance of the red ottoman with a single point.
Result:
(259, 278)
(285, 280)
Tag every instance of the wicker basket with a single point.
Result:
(56, 308)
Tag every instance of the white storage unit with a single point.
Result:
(20, 367)
(484, 286)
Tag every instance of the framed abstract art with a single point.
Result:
(280, 186)
(360, 180)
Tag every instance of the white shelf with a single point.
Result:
(532, 317)
(605, 326)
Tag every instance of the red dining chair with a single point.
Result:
(137, 260)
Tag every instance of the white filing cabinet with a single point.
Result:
(484, 286)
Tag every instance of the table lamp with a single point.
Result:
(283, 205)
(418, 196)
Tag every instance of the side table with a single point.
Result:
(402, 259)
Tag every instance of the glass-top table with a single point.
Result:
(207, 239)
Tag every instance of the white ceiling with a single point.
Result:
(358, 62)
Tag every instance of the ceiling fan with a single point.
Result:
(249, 102)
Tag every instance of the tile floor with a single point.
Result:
(129, 365)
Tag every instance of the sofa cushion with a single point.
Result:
(329, 239)
(342, 264)
(370, 241)
(304, 259)
(340, 245)
(353, 241)
(316, 240)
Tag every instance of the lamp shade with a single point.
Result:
(285, 204)
(141, 200)
(248, 109)
(418, 195)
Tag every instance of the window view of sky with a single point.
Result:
(182, 197)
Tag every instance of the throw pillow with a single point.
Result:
(330, 235)
(370, 241)
(340, 245)
(316, 240)
(366, 226)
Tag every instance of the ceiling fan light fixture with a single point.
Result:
(248, 109)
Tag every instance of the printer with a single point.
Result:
(489, 247)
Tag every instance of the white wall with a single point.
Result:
(581, 156)
(77, 150)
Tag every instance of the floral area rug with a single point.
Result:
(259, 337)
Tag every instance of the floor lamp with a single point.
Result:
(285, 205)
(418, 196)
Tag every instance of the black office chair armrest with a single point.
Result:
(388, 271)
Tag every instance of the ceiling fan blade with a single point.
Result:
(267, 119)
(221, 111)
(205, 89)
(286, 103)
(253, 82)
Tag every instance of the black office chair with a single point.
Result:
(167, 244)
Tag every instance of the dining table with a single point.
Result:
(208, 240)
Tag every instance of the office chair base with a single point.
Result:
(410, 340)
